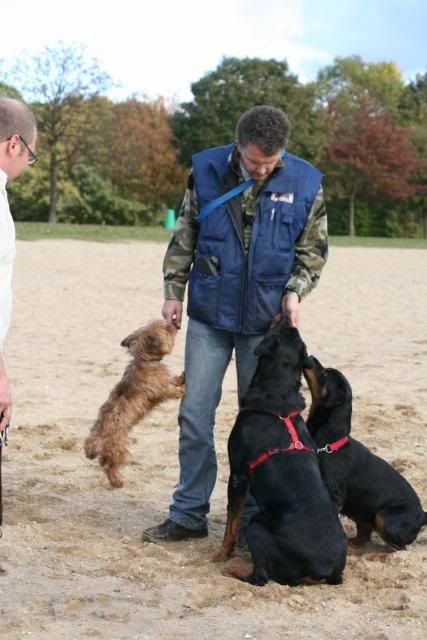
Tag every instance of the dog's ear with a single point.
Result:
(266, 346)
(126, 341)
(335, 396)
(133, 337)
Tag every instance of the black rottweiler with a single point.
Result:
(296, 537)
(363, 487)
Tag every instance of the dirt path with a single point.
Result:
(73, 561)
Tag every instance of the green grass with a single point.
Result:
(93, 232)
(386, 243)
(105, 233)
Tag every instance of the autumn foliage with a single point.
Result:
(143, 164)
(126, 162)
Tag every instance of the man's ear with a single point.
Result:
(266, 346)
(13, 145)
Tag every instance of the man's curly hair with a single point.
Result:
(266, 127)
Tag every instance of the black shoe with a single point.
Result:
(170, 531)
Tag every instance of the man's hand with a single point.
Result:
(290, 306)
(172, 312)
(5, 398)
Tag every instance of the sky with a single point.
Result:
(159, 47)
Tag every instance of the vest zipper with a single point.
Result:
(245, 268)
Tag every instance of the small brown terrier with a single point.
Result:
(145, 383)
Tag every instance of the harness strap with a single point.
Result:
(334, 446)
(295, 445)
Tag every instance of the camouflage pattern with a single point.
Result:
(311, 249)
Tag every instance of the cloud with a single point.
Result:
(160, 48)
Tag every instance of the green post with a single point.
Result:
(169, 222)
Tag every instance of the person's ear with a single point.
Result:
(14, 145)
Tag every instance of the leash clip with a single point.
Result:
(326, 449)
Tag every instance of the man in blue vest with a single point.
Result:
(251, 241)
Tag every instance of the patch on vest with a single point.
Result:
(282, 197)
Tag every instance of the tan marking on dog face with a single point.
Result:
(312, 382)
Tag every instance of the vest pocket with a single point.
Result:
(203, 297)
(290, 226)
(267, 296)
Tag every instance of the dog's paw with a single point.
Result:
(221, 555)
(115, 478)
(90, 448)
(179, 380)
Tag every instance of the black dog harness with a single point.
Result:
(296, 444)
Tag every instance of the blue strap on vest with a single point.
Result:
(214, 204)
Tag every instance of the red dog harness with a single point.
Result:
(334, 446)
(296, 444)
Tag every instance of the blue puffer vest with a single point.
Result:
(246, 292)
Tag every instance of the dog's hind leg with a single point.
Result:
(260, 543)
(363, 533)
(237, 489)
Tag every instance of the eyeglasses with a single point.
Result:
(32, 158)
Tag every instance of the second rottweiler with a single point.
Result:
(363, 486)
(296, 537)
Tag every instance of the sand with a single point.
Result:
(73, 564)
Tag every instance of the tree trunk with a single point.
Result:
(53, 176)
(351, 229)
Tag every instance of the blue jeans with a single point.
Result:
(208, 353)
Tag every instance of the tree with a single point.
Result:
(413, 106)
(236, 85)
(59, 81)
(350, 81)
(369, 157)
(10, 92)
(148, 170)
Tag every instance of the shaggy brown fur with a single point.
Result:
(145, 383)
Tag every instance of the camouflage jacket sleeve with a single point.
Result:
(180, 252)
(311, 251)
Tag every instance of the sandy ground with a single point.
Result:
(73, 564)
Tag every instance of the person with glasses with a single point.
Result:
(18, 136)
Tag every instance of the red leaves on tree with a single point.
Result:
(369, 156)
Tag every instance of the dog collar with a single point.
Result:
(296, 444)
(334, 446)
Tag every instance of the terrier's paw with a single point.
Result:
(179, 380)
(116, 480)
(90, 448)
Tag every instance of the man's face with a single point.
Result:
(257, 164)
(19, 156)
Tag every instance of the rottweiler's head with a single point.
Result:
(330, 390)
(282, 355)
(283, 348)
